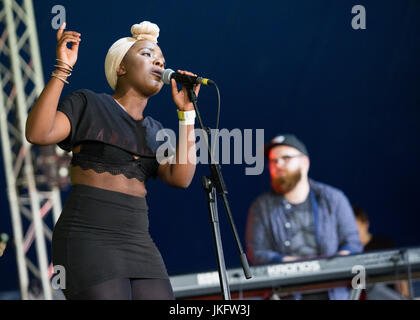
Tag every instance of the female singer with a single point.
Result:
(102, 236)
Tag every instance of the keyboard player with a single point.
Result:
(299, 218)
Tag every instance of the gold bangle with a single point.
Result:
(58, 77)
(59, 60)
(63, 69)
(64, 75)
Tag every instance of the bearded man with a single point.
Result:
(299, 218)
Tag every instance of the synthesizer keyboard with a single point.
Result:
(374, 264)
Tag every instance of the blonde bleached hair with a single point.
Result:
(142, 31)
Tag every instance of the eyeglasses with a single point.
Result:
(285, 159)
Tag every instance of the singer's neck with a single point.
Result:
(133, 102)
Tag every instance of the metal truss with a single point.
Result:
(21, 82)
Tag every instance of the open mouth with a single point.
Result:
(158, 73)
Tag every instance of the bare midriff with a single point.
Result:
(106, 180)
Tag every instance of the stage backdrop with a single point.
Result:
(283, 66)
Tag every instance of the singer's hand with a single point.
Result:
(180, 97)
(343, 252)
(69, 56)
(289, 258)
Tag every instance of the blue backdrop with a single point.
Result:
(283, 66)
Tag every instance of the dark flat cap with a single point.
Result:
(286, 140)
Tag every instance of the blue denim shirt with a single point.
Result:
(335, 228)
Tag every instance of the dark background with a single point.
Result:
(283, 66)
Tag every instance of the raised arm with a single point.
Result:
(181, 173)
(45, 125)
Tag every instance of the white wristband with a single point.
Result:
(186, 115)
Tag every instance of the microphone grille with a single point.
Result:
(166, 76)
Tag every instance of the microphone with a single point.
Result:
(169, 74)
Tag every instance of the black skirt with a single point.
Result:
(103, 235)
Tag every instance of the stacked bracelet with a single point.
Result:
(186, 117)
(55, 75)
(59, 60)
(66, 68)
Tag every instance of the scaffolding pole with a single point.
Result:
(21, 82)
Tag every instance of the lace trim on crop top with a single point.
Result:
(102, 157)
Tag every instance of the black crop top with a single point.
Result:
(110, 137)
(102, 157)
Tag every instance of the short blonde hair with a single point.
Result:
(142, 31)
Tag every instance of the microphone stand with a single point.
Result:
(212, 184)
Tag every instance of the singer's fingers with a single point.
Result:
(184, 71)
(67, 39)
(197, 89)
(174, 88)
(63, 34)
(187, 73)
(60, 31)
(75, 46)
(72, 33)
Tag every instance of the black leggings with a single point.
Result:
(128, 289)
